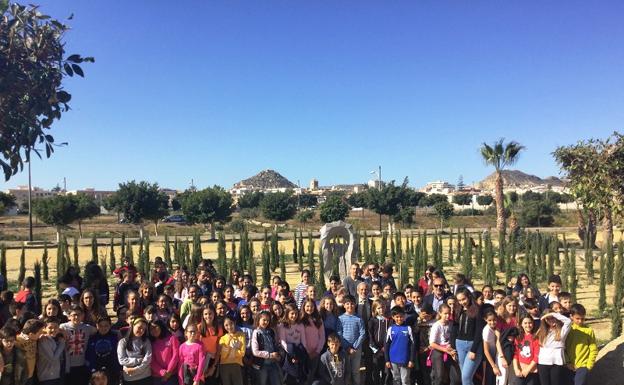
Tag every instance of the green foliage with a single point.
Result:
(431, 200)
(233, 261)
(333, 209)
(197, 252)
(373, 250)
(450, 253)
(250, 200)
(405, 216)
(6, 202)
(282, 263)
(111, 256)
(274, 251)
(76, 256)
(573, 275)
(484, 200)
(300, 251)
(602, 289)
(610, 262)
(221, 255)
(366, 250)
(462, 199)
(383, 250)
(307, 200)
(390, 198)
(86, 207)
(618, 279)
(278, 206)
(479, 252)
(238, 226)
(38, 287)
(167, 252)
(33, 94)
(467, 257)
(266, 269)
(130, 252)
(320, 282)
(59, 210)
(616, 322)
(444, 211)
(3, 265)
(311, 258)
(304, 216)
(22, 266)
(94, 249)
(141, 201)
(537, 213)
(45, 258)
(489, 268)
(501, 251)
(123, 247)
(294, 249)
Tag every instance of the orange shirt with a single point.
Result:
(210, 341)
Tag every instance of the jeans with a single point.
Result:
(400, 374)
(269, 374)
(468, 367)
(580, 376)
(355, 359)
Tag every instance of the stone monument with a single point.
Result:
(345, 252)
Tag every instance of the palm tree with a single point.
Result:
(500, 155)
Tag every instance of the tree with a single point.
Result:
(34, 65)
(58, 211)
(141, 201)
(484, 200)
(358, 199)
(431, 199)
(462, 199)
(389, 199)
(500, 155)
(405, 216)
(333, 209)
(304, 216)
(250, 200)
(307, 200)
(278, 206)
(175, 204)
(22, 267)
(208, 206)
(45, 258)
(6, 202)
(444, 210)
(537, 212)
(85, 208)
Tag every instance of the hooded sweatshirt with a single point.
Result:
(49, 357)
(77, 338)
(136, 354)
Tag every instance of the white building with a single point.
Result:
(438, 187)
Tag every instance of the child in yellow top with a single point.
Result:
(232, 350)
(580, 346)
(27, 341)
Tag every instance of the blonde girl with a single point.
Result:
(552, 333)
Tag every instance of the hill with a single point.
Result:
(517, 178)
(266, 179)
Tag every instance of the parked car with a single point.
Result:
(174, 219)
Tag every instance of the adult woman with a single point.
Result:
(96, 282)
(135, 354)
(469, 342)
(519, 284)
(425, 282)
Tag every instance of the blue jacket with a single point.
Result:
(400, 346)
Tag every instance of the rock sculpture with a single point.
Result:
(345, 252)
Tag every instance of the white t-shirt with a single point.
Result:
(440, 334)
(489, 337)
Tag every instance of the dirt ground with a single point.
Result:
(586, 294)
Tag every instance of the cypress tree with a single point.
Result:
(573, 276)
(602, 294)
(618, 291)
(373, 250)
(610, 261)
(450, 253)
(242, 250)
(66, 248)
(616, 322)
(252, 262)
(393, 254)
(425, 251)
(565, 268)
(335, 261)
(45, 259)
(282, 264)
(300, 251)
(321, 288)
(383, 251)
(295, 259)
(146, 251)
(60, 261)
(130, 253)
(221, 255)
(38, 287)
(103, 265)
(76, 257)
(589, 260)
(94, 249)
(274, 251)
(467, 260)
(167, 252)
(440, 254)
(22, 268)
(233, 262)
(111, 258)
(197, 251)
(399, 246)
(434, 245)
(366, 250)
(123, 246)
(490, 267)
(3, 266)
(416, 261)
(511, 263)
(501, 251)
(311, 257)
(552, 250)
(266, 268)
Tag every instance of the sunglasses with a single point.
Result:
(438, 285)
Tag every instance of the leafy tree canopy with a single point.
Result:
(33, 64)
(250, 200)
(484, 200)
(6, 201)
(307, 200)
(59, 210)
(444, 210)
(334, 209)
(207, 206)
(432, 199)
(462, 199)
(141, 201)
(278, 206)
(86, 207)
(359, 199)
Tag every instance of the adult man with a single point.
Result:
(437, 297)
(372, 274)
(386, 276)
(363, 310)
(350, 283)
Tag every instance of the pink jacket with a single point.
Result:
(165, 356)
(314, 337)
(192, 355)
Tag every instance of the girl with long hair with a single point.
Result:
(90, 305)
(231, 353)
(526, 354)
(443, 356)
(314, 335)
(329, 314)
(174, 325)
(265, 350)
(135, 354)
(377, 330)
(209, 333)
(190, 358)
(165, 348)
(468, 335)
(552, 333)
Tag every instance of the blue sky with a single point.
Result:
(219, 90)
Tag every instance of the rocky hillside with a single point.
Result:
(267, 179)
(516, 178)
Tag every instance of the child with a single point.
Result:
(554, 289)
(175, 327)
(27, 342)
(292, 339)
(552, 335)
(329, 314)
(426, 319)
(101, 351)
(302, 287)
(491, 347)
(399, 349)
(565, 299)
(135, 354)
(352, 332)
(190, 358)
(334, 367)
(443, 356)
(246, 326)
(99, 378)
(27, 296)
(265, 351)
(377, 330)
(14, 364)
(580, 346)
(209, 333)
(314, 335)
(78, 334)
(232, 350)
(165, 347)
(50, 354)
(525, 354)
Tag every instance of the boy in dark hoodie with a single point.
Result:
(102, 350)
(334, 366)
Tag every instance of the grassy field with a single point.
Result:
(586, 293)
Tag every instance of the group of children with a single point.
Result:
(204, 328)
